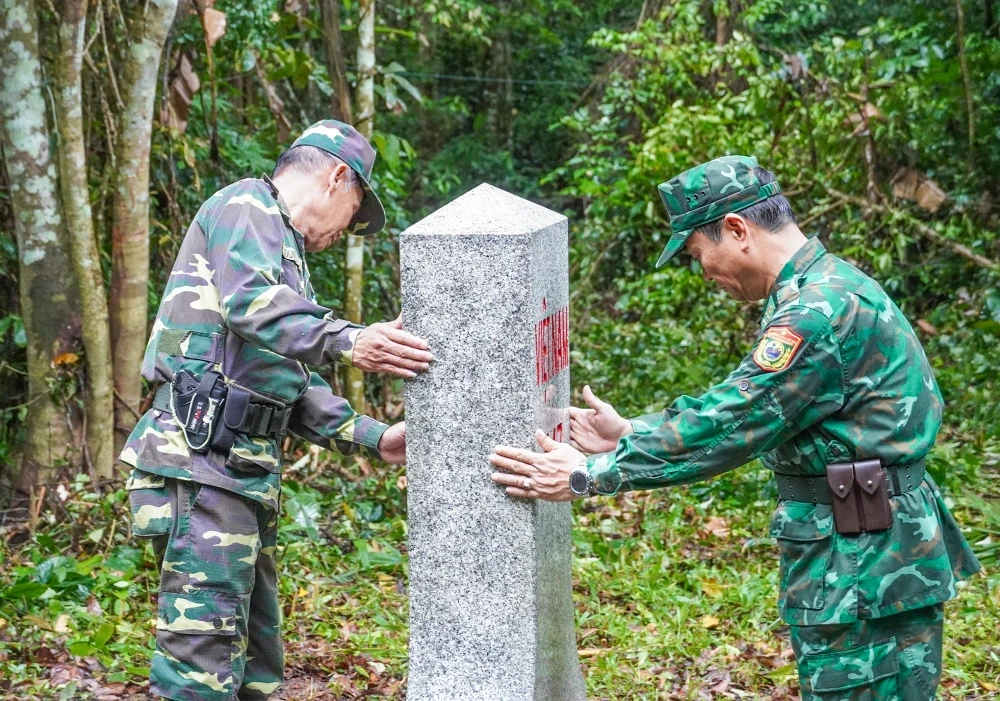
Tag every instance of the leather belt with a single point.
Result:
(814, 489)
(263, 420)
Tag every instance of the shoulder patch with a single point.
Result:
(776, 348)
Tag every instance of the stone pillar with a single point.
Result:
(484, 280)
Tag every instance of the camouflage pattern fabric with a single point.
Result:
(708, 192)
(883, 659)
(343, 141)
(239, 301)
(837, 375)
(218, 628)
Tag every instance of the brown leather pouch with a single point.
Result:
(872, 495)
(846, 514)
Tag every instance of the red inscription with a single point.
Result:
(551, 345)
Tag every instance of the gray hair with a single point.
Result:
(309, 160)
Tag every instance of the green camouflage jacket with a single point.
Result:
(239, 300)
(836, 375)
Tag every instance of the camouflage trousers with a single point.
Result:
(218, 629)
(883, 659)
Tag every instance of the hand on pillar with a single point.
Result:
(537, 475)
(392, 445)
(385, 347)
(597, 429)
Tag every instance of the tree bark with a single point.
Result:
(75, 198)
(354, 269)
(500, 115)
(724, 11)
(336, 65)
(147, 32)
(47, 291)
(967, 83)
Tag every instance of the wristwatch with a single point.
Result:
(580, 481)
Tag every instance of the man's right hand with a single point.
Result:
(385, 347)
(597, 429)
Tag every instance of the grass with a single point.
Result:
(675, 593)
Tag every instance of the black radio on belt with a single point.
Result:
(196, 405)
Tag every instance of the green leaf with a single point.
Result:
(407, 86)
(27, 590)
(304, 509)
(82, 649)
(104, 634)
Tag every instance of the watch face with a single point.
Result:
(578, 482)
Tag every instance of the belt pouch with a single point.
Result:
(846, 514)
(873, 495)
(234, 413)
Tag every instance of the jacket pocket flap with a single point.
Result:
(196, 613)
(237, 406)
(851, 669)
(813, 523)
(197, 345)
(840, 477)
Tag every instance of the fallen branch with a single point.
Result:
(923, 228)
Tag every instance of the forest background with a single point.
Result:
(881, 120)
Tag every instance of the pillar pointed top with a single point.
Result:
(487, 210)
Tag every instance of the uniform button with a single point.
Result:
(869, 483)
(744, 386)
(217, 623)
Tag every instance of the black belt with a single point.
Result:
(814, 489)
(263, 420)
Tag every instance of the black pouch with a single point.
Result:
(846, 514)
(872, 496)
(234, 413)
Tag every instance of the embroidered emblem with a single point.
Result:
(776, 349)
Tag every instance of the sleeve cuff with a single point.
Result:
(605, 474)
(643, 425)
(341, 346)
(369, 434)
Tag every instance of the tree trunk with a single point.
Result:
(354, 270)
(967, 84)
(147, 33)
(724, 12)
(336, 65)
(75, 200)
(500, 115)
(47, 291)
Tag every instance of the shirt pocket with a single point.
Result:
(292, 270)
(804, 533)
(254, 453)
(149, 504)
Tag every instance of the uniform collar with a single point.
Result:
(803, 259)
(285, 214)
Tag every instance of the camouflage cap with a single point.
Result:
(343, 141)
(709, 192)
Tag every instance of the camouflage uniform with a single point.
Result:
(836, 375)
(238, 301)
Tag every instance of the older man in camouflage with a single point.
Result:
(838, 399)
(239, 304)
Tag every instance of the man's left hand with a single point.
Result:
(537, 475)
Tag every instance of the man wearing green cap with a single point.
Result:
(838, 399)
(229, 354)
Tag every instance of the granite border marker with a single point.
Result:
(485, 281)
